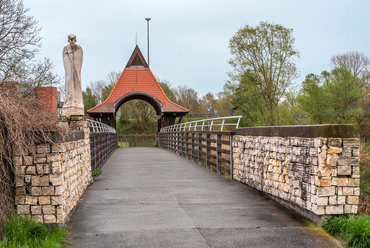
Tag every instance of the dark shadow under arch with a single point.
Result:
(157, 105)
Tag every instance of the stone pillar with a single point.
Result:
(72, 60)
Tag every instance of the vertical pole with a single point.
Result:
(231, 157)
(147, 20)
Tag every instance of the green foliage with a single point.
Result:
(97, 172)
(167, 90)
(354, 230)
(263, 59)
(332, 97)
(365, 169)
(106, 91)
(313, 99)
(22, 231)
(88, 99)
(246, 98)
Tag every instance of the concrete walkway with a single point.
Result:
(148, 197)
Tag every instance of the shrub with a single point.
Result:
(22, 231)
(354, 230)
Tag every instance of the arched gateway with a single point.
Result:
(138, 82)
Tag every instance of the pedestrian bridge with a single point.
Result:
(150, 197)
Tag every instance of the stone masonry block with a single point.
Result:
(354, 182)
(332, 159)
(55, 180)
(322, 201)
(44, 148)
(58, 147)
(20, 170)
(326, 191)
(337, 142)
(31, 170)
(347, 190)
(27, 178)
(356, 191)
(353, 200)
(36, 210)
(35, 191)
(27, 160)
(58, 190)
(44, 181)
(25, 209)
(342, 181)
(48, 209)
(20, 199)
(333, 200)
(44, 200)
(35, 181)
(31, 200)
(53, 157)
(347, 209)
(56, 200)
(342, 161)
(48, 190)
(335, 150)
(341, 200)
(345, 170)
(50, 219)
(19, 181)
(40, 169)
(334, 209)
(20, 190)
(38, 218)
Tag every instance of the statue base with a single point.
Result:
(72, 113)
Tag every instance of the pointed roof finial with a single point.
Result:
(137, 59)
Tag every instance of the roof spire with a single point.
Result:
(137, 59)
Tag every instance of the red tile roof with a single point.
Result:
(137, 79)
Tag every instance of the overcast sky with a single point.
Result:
(189, 38)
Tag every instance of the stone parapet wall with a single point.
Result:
(52, 178)
(317, 176)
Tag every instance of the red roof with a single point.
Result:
(135, 78)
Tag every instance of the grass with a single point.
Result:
(22, 231)
(97, 172)
(353, 230)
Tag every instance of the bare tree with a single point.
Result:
(22, 122)
(357, 63)
(97, 88)
(187, 98)
(19, 44)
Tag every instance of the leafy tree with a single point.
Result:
(20, 43)
(345, 91)
(88, 99)
(332, 98)
(167, 90)
(106, 91)
(314, 98)
(267, 52)
(246, 97)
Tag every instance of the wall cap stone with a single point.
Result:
(305, 131)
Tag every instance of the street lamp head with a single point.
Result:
(148, 19)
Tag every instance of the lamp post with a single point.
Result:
(147, 21)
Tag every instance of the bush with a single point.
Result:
(354, 230)
(97, 172)
(22, 231)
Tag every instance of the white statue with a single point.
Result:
(72, 60)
